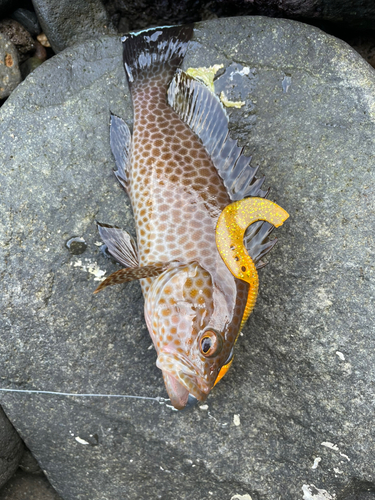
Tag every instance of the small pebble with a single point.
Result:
(19, 36)
(10, 75)
(43, 40)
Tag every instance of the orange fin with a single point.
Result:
(223, 371)
(132, 273)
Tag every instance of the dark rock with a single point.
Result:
(331, 10)
(11, 449)
(29, 65)
(29, 464)
(10, 75)
(138, 14)
(364, 44)
(301, 387)
(354, 14)
(28, 20)
(40, 55)
(66, 23)
(19, 36)
(24, 486)
(329, 14)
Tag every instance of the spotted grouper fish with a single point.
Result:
(194, 196)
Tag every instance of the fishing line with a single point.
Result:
(124, 396)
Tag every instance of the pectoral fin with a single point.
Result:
(120, 244)
(132, 273)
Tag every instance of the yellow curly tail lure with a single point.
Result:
(230, 230)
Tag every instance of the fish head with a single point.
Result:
(188, 323)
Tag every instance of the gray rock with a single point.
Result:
(23, 486)
(11, 449)
(66, 23)
(28, 19)
(19, 36)
(29, 464)
(29, 66)
(10, 75)
(295, 413)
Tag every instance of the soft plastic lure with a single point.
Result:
(193, 195)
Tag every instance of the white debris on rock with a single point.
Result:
(81, 441)
(92, 268)
(236, 420)
(316, 463)
(311, 492)
(334, 447)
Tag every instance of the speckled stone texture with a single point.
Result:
(66, 23)
(10, 75)
(296, 409)
(11, 449)
(23, 486)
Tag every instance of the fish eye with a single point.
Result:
(211, 343)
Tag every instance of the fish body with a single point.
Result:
(194, 303)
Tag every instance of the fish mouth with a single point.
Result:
(183, 385)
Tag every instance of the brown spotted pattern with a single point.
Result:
(177, 197)
(130, 274)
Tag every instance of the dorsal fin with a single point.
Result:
(203, 112)
(120, 139)
(257, 243)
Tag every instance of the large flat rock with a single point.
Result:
(295, 413)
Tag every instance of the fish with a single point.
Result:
(202, 218)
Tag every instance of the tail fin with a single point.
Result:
(156, 52)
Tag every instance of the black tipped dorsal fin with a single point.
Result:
(203, 112)
(120, 244)
(120, 138)
(131, 274)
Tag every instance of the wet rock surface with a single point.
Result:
(295, 413)
(66, 23)
(10, 75)
(19, 36)
(26, 486)
(11, 449)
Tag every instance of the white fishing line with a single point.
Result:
(124, 396)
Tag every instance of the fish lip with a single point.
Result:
(184, 374)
